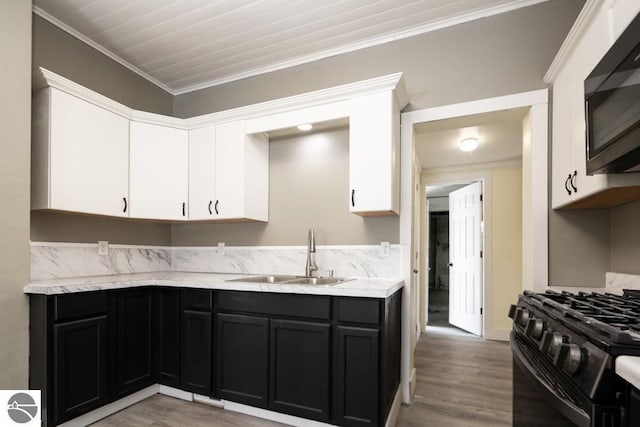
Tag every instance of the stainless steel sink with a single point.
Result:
(265, 279)
(292, 280)
(317, 281)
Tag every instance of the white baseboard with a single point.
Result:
(111, 408)
(412, 383)
(497, 334)
(206, 400)
(176, 392)
(394, 412)
(272, 416)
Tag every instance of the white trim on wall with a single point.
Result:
(535, 271)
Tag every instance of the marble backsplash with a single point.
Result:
(60, 260)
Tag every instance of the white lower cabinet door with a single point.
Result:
(158, 172)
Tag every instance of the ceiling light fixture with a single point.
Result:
(468, 144)
(305, 127)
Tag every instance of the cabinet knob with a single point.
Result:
(184, 208)
(124, 199)
(210, 203)
(573, 179)
(216, 207)
(353, 197)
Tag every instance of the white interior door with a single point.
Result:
(465, 260)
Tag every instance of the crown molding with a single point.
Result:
(42, 78)
(584, 19)
(64, 27)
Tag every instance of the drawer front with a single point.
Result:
(294, 305)
(81, 304)
(197, 299)
(358, 310)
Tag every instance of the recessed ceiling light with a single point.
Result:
(305, 127)
(468, 144)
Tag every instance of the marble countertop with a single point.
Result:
(362, 287)
(628, 367)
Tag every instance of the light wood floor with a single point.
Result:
(461, 381)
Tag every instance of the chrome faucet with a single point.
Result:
(311, 266)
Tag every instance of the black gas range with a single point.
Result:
(564, 348)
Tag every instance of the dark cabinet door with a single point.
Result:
(195, 357)
(167, 336)
(242, 371)
(79, 367)
(134, 341)
(356, 391)
(300, 368)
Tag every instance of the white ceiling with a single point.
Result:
(499, 134)
(185, 45)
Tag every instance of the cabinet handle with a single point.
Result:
(184, 206)
(216, 207)
(210, 203)
(566, 184)
(124, 199)
(573, 181)
(353, 197)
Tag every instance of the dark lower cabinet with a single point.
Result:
(357, 388)
(134, 341)
(300, 373)
(79, 367)
(242, 350)
(166, 329)
(195, 356)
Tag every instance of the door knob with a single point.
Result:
(450, 264)
(415, 271)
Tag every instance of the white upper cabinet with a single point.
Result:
(158, 172)
(571, 186)
(228, 173)
(241, 173)
(202, 173)
(80, 155)
(374, 143)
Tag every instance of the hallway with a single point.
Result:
(461, 381)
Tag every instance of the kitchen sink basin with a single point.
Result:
(265, 279)
(317, 281)
(292, 280)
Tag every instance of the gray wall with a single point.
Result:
(308, 187)
(63, 54)
(494, 56)
(625, 238)
(15, 130)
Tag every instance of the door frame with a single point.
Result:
(535, 203)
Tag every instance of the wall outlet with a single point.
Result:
(221, 248)
(384, 248)
(103, 247)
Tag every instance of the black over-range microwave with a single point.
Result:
(612, 97)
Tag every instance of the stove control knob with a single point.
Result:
(551, 342)
(522, 316)
(535, 328)
(569, 358)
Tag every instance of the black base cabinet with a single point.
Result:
(331, 359)
(242, 349)
(196, 351)
(134, 347)
(300, 368)
(167, 333)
